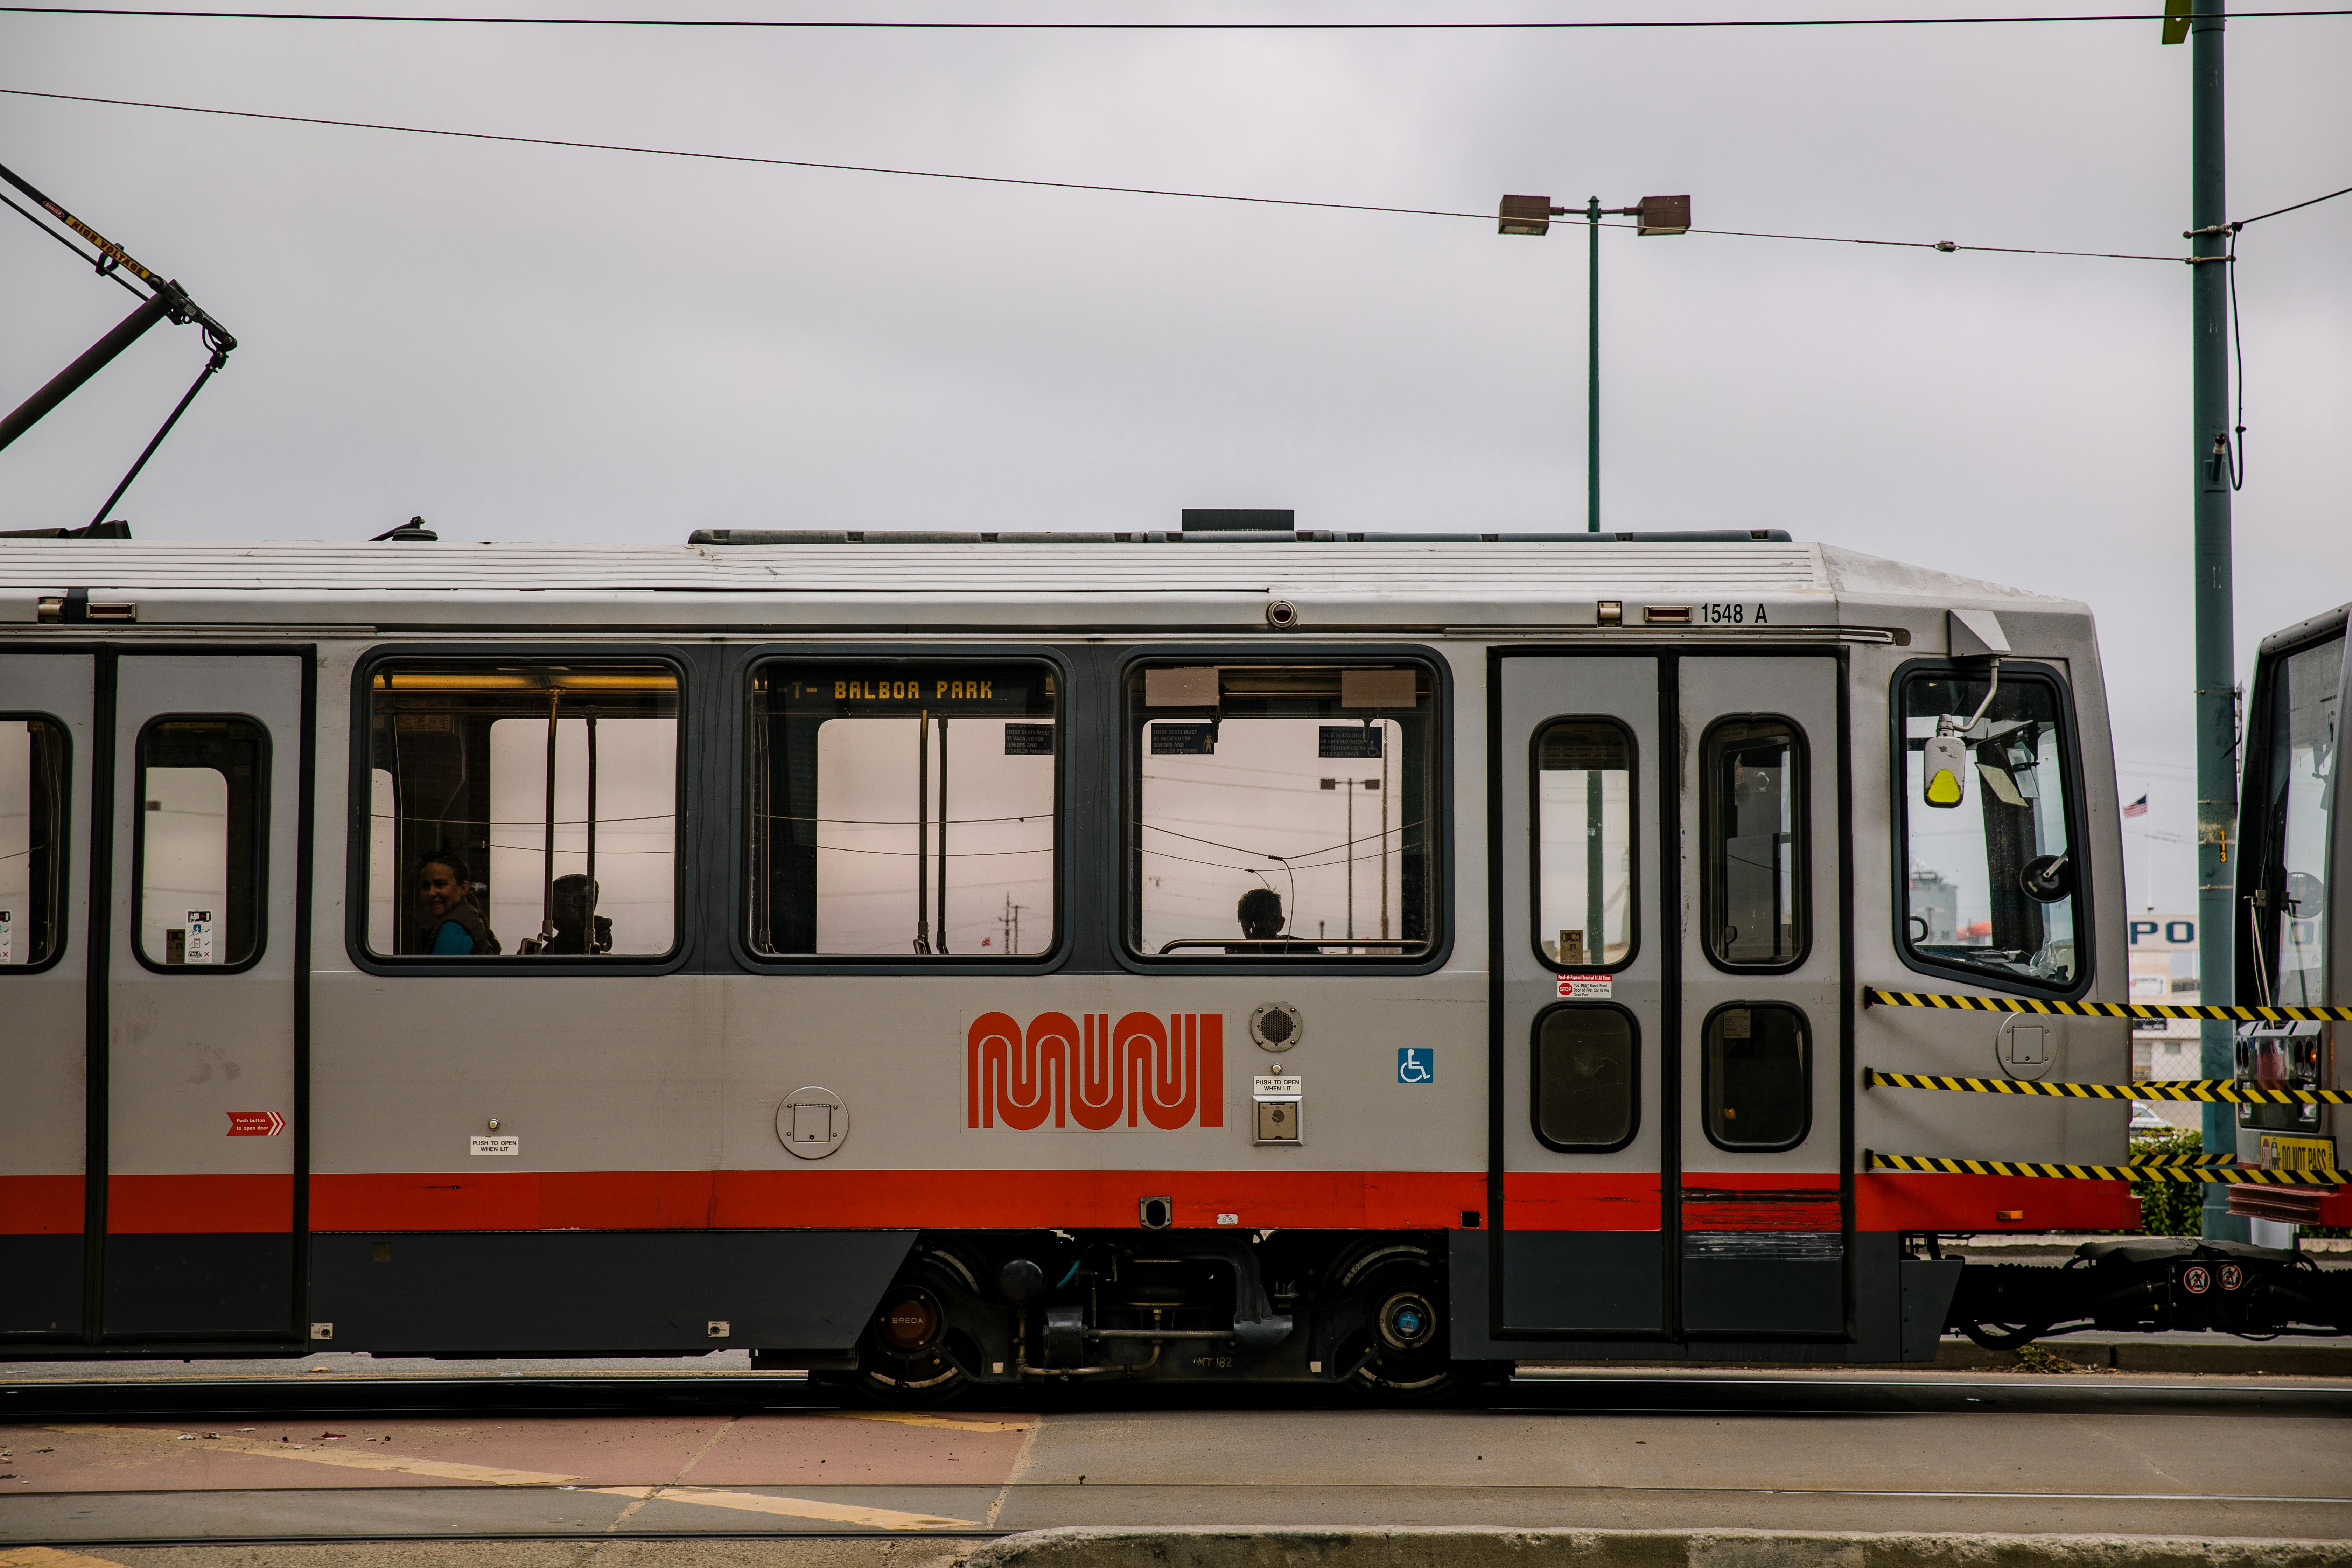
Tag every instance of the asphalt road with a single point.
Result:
(269, 1451)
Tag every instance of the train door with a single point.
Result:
(1763, 1201)
(1668, 1010)
(46, 743)
(196, 1062)
(1583, 983)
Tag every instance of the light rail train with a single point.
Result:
(945, 960)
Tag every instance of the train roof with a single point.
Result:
(914, 581)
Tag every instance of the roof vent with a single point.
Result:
(1239, 520)
(413, 532)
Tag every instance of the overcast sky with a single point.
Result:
(536, 344)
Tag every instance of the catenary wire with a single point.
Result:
(1945, 246)
(2298, 207)
(1017, 26)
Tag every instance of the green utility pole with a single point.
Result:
(2217, 717)
(1592, 383)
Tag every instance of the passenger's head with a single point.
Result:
(443, 882)
(1260, 912)
(572, 902)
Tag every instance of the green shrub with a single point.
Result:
(2168, 1208)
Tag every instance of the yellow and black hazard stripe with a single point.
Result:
(2219, 1090)
(1872, 997)
(2226, 1175)
(2143, 1161)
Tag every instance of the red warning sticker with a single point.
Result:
(254, 1124)
(1594, 987)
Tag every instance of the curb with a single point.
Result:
(1099, 1547)
(2275, 1358)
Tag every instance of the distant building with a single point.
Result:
(2164, 969)
(1937, 902)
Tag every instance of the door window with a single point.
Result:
(204, 800)
(1281, 811)
(528, 809)
(1988, 829)
(1753, 825)
(1758, 1076)
(33, 775)
(904, 809)
(1584, 843)
(1586, 1063)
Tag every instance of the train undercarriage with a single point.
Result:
(2145, 1284)
(1020, 1309)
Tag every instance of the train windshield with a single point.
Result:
(522, 809)
(1281, 811)
(2287, 826)
(904, 809)
(1991, 885)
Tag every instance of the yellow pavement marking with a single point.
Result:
(50, 1557)
(791, 1507)
(913, 1418)
(353, 1458)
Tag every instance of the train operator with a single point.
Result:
(445, 889)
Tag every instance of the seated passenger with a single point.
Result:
(453, 923)
(572, 902)
(1260, 914)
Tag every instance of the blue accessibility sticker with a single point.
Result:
(1416, 1064)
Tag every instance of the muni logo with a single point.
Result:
(1097, 1074)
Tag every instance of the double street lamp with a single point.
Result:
(1532, 216)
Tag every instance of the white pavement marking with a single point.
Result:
(790, 1507)
(915, 1418)
(349, 1458)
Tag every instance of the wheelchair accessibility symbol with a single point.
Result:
(1416, 1064)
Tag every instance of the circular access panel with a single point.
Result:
(1277, 1027)
(812, 1122)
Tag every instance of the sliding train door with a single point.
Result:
(45, 750)
(1668, 1025)
(196, 1066)
(1762, 1206)
(1584, 979)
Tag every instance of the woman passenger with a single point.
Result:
(444, 890)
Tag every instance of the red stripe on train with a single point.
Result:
(694, 1200)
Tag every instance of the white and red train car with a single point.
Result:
(967, 958)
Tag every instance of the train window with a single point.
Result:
(1281, 811)
(33, 773)
(1584, 843)
(1586, 1076)
(523, 808)
(1753, 816)
(904, 809)
(1758, 1076)
(1990, 883)
(203, 817)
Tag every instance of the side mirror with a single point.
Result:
(1944, 764)
(2046, 878)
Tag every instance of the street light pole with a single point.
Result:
(2217, 717)
(1592, 367)
(1533, 216)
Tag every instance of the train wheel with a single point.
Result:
(903, 1359)
(1401, 1290)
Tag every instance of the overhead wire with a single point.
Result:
(1947, 246)
(1678, 24)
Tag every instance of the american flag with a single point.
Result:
(2138, 807)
